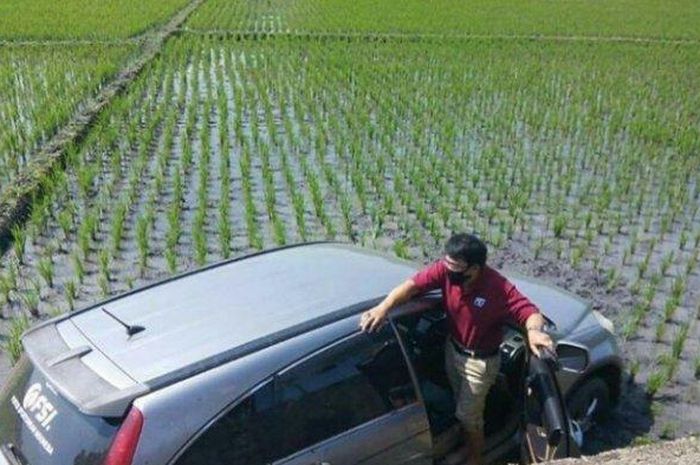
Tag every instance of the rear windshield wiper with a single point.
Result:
(130, 329)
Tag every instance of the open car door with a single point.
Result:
(546, 428)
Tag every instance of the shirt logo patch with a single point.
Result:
(479, 302)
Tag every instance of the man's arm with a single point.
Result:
(529, 316)
(536, 337)
(375, 317)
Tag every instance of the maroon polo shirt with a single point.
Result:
(476, 315)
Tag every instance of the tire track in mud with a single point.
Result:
(17, 197)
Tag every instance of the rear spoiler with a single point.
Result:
(74, 380)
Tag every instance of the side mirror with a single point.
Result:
(572, 358)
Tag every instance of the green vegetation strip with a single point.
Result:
(82, 19)
(40, 88)
(674, 19)
(16, 197)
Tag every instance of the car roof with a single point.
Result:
(208, 317)
(201, 319)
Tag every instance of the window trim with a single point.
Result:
(273, 379)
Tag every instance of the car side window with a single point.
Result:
(240, 436)
(339, 388)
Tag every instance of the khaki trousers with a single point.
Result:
(470, 378)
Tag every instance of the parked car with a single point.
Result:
(261, 360)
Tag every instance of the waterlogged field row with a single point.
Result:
(628, 18)
(81, 19)
(586, 153)
(40, 88)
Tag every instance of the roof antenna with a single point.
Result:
(130, 329)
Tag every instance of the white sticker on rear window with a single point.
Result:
(36, 407)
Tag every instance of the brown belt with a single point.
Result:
(473, 353)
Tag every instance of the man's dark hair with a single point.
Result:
(466, 248)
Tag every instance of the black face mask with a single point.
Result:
(456, 277)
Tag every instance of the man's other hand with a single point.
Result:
(537, 340)
(373, 319)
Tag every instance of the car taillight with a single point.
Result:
(122, 450)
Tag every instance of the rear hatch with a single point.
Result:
(55, 408)
(38, 426)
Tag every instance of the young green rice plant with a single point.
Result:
(30, 299)
(683, 240)
(70, 289)
(656, 381)
(200, 242)
(660, 331)
(104, 285)
(224, 229)
(105, 259)
(171, 258)
(670, 308)
(38, 217)
(560, 252)
(666, 263)
(45, 268)
(400, 248)
(13, 346)
(633, 369)
(117, 231)
(576, 256)
(78, 267)
(142, 241)
(679, 341)
(19, 242)
(643, 266)
(678, 288)
(539, 247)
(65, 222)
(612, 278)
(668, 431)
(84, 239)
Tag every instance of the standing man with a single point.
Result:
(478, 301)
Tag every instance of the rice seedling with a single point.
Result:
(30, 299)
(45, 269)
(105, 259)
(657, 380)
(104, 285)
(13, 346)
(70, 290)
(19, 243)
(142, 241)
(78, 267)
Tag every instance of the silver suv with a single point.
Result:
(260, 360)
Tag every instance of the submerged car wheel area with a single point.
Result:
(222, 371)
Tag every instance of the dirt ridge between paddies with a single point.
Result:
(16, 198)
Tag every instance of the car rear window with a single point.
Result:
(41, 428)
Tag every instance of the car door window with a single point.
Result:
(340, 388)
(334, 390)
(240, 436)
